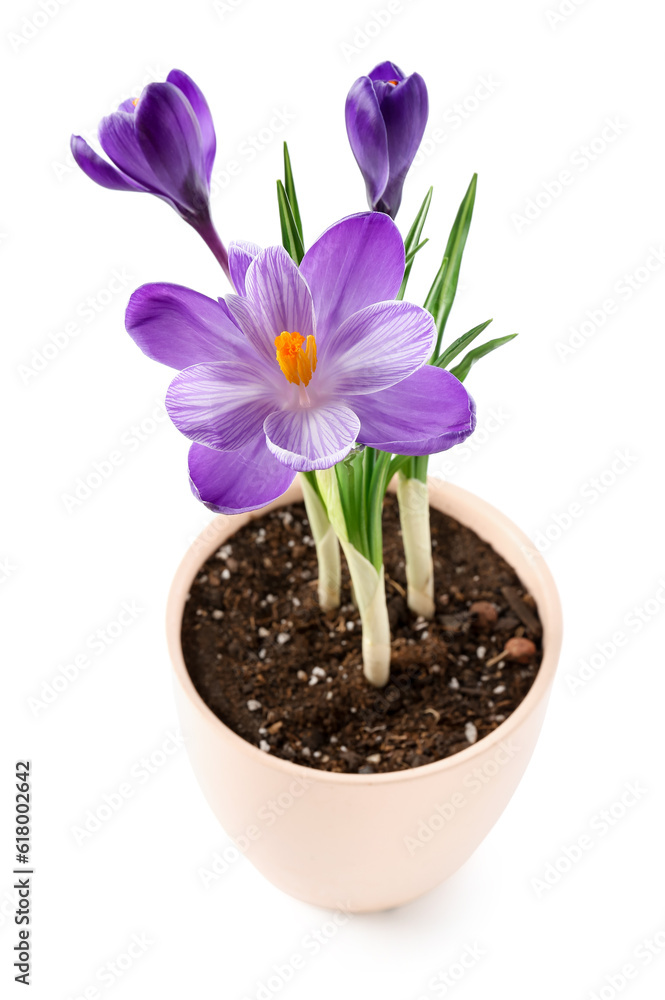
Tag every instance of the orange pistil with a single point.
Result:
(394, 82)
(135, 101)
(297, 364)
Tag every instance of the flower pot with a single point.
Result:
(355, 841)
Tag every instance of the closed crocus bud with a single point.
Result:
(163, 142)
(386, 115)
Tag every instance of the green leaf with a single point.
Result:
(415, 250)
(290, 189)
(413, 239)
(397, 463)
(458, 345)
(442, 302)
(461, 370)
(329, 492)
(290, 235)
(436, 290)
(349, 474)
(378, 486)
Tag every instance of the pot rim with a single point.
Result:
(549, 606)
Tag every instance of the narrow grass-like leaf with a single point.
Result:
(436, 291)
(349, 480)
(415, 250)
(461, 370)
(290, 235)
(290, 189)
(413, 239)
(441, 305)
(396, 463)
(378, 486)
(458, 345)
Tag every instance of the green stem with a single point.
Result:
(377, 491)
(361, 493)
(420, 466)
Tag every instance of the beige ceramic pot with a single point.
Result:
(365, 842)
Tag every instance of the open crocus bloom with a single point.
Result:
(289, 374)
(162, 143)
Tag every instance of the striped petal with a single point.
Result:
(377, 347)
(355, 263)
(241, 255)
(220, 406)
(277, 299)
(314, 437)
(180, 327)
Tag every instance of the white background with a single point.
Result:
(550, 88)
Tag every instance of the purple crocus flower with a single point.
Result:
(290, 373)
(163, 142)
(386, 114)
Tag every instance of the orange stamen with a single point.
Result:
(297, 365)
(394, 82)
(135, 101)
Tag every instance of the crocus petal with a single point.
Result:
(129, 106)
(231, 482)
(241, 255)
(179, 327)
(386, 71)
(98, 169)
(356, 262)
(169, 137)
(117, 135)
(376, 347)
(220, 406)
(200, 108)
(404, 109)
(428, 412)
(277, 299)
(316, 437)
(367, 134)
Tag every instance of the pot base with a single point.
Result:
(365, 842)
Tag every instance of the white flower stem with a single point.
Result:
(327, 548)
(413, 499)
(368, 587)
(370, 591)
